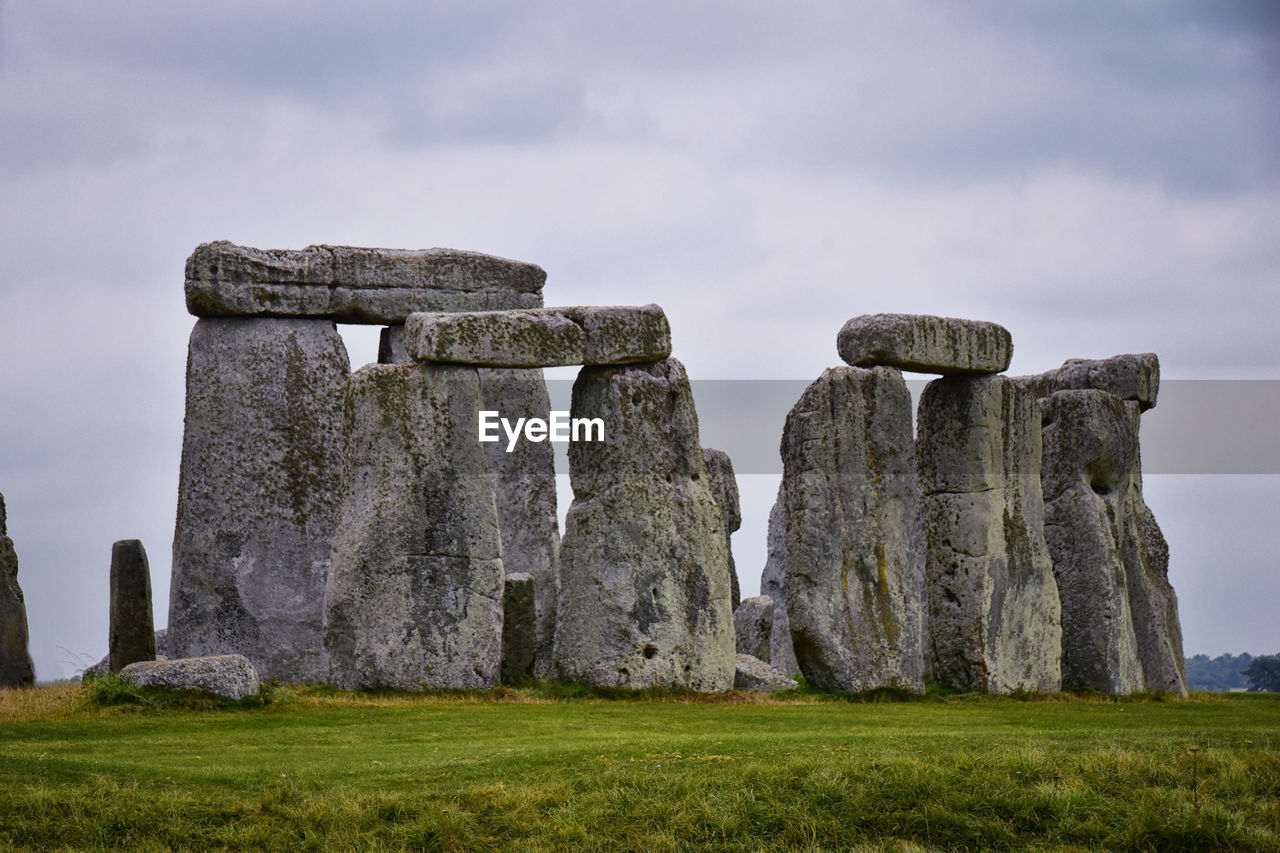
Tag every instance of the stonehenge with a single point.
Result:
(395, 526)
(15, 660)
(132, 633)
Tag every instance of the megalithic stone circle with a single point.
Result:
(258, 493)
(414, 597)
(15, 659)
(855, 546)
(724, 488)
(993, 611)
(644, 573)
(132, 631)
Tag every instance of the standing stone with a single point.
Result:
(1157, 627)
(15, 660)
(644, 574)
(524, 484)
(724, 488)
(519, 628)
(753, 627)
(132, 636)
(993, 612)
(414, 598)
(925, 344)
(391, 349)
(855, 547)
(773, 583)
(258, 493)
(1089, 451)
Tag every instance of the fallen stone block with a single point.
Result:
(228, 676)
(855, 545)
(751, 673)
(993, 612)
(644, 575)
(347, 284)
(15, 660)
(925, 344)
(541, 337)
(132, 631)
(753, 626)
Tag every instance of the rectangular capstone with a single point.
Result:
(543, 337)
(347, 284)
(925, 344)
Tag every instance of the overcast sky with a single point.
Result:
(1099, 178)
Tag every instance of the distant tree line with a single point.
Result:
(1234, 672)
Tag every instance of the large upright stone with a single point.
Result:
(1089, 451)
(993, 612)
(541, 337)
(753, 627)
(258, 493)
(519, 628)
(414, 598)
(925, 343)
(132, 632)
(644, 575)
(15, 659)
(524, 484)
(773, 584)
(347, 284)
(855, 547)
(724, 488)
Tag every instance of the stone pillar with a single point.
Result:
(258, 493)
(724, 487)
(773, 582)
(644, 573)
(414, 598)
(753, 627)
(15, 660)
(132, 627)
(1089, 450)
(993, 612)
(855, 547)
(519, 628)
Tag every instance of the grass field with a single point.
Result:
(537, 769)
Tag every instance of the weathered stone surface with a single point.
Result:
(855, 547)
(162, 644)
(258, 493)
(751, 673)
(519, 628)
(925, 344)
(391, 346)
(773, 581)
(414, 598)
(753, 626)
(524, 484)
(535, 337)
(1090, 447)
(1152, 601)
(1130, 376)
(994, 617)
(347, 284)
(724, 488)
(15, 660)
(228, 676)
(644, 576)
(132, 631)
(541, 337)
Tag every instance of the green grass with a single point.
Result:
(550, 768)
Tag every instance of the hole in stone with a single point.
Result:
(649, 652)
(1100, 487)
